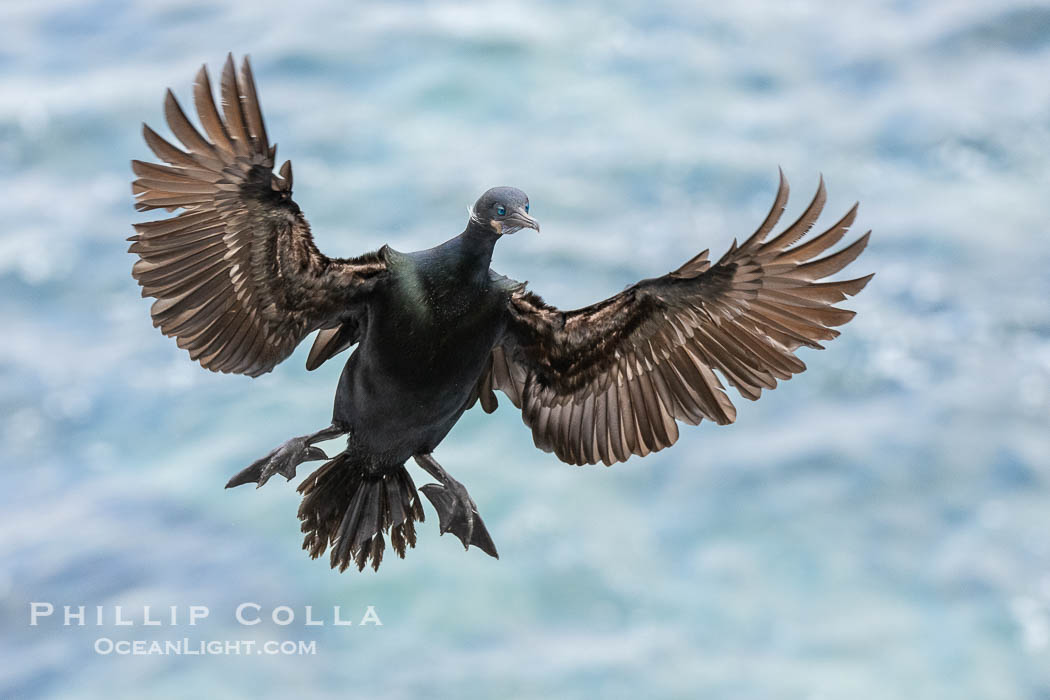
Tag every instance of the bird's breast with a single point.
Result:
(434, 337)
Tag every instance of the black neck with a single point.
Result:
(474, 247)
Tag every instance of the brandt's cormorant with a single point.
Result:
(238, 283)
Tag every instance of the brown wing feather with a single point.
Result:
(237, 277)
(332, 341)
(612, 379)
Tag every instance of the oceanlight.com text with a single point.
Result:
(105, 646)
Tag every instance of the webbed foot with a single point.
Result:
(282, 460)
(457, 512)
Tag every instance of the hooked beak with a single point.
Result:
(518, 220)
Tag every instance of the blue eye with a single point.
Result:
(501, 210)
(526, 208)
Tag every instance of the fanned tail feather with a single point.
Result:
(349, 508)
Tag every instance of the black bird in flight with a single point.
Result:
(238, 283)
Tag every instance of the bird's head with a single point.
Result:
(503, 210)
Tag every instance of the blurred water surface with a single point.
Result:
(876, 528)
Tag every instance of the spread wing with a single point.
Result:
(612, 379)
(237, 277)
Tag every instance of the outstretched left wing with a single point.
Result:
(237, 277)
(610, 380)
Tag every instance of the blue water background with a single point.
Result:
(875, 528)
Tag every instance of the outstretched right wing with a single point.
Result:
(237, 277)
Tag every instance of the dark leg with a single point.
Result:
(455, 508)
(286, 458)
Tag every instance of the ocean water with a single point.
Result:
(875, 528)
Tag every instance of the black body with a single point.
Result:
(429, 333)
